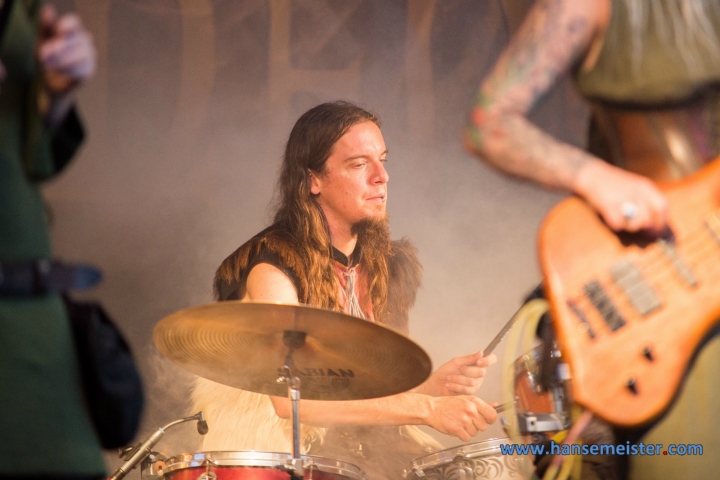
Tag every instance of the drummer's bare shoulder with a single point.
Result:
(271, 246)
(554, 37)
(267, 283)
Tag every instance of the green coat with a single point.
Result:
(44, 423)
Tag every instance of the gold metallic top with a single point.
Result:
(655, 52)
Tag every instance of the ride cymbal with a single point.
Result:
(241, 344)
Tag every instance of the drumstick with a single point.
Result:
(503, 406)
(494, 343)
(501, 334)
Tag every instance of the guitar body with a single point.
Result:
(629, 315)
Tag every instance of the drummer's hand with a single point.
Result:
(461, 416)
(625, 201)
(459, 376)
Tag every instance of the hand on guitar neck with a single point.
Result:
(626, 201)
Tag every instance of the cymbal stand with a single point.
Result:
(293, 339)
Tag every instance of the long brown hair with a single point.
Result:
(685, 24)
(310, 144)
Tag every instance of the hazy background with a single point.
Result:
(186, 123)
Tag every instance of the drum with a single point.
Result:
(543, 405)
(249, 465)
(475, 461)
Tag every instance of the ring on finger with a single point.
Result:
(629, 210)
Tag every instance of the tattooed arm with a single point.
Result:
(555, 35)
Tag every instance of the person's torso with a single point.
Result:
(655, 95)
(23, 231)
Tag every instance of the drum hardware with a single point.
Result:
(208, 475)
(475, 461)
(153, 466)
(134, 455)
(541, 393)
(293, 340)
(542, 422)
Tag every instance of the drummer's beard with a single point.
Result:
(373, 238)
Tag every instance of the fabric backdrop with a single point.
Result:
(187, 118)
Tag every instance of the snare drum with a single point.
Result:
(249, 465)
(541, 409)
(475, 461)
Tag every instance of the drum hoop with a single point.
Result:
(487, 447)
(533, 354)
(257, 458)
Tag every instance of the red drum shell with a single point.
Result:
(254, 465)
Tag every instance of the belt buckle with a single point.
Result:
(41, 278)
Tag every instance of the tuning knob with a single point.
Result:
(631, 385)
(647, 353)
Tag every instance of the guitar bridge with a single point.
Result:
(604, 305)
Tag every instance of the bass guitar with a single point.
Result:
(629, 311)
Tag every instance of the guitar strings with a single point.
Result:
(659, 282)
(697, 246)
(666, 290)
(659, 271)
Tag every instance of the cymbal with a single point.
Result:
(240, 344)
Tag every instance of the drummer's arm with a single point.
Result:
(462, 416)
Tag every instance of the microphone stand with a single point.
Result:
(138, 453)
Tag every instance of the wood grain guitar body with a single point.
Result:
(629, 314)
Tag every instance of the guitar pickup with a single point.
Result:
(630, 280)
(604, 305)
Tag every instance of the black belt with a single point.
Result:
(42, 276)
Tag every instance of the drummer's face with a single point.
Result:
(353, 186)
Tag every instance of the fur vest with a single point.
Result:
(277, 242)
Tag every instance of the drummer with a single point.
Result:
(330, 247)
